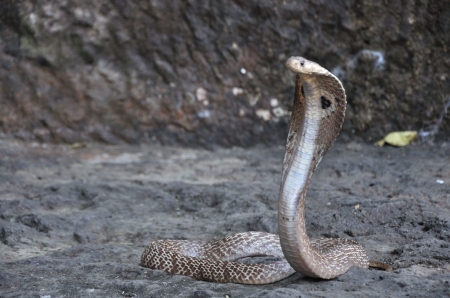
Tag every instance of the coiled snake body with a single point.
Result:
(317, 117)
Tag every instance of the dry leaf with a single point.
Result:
(398, 138)
(77, 145)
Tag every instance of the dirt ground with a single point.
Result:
(74, 222)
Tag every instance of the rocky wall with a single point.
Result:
(201, 73)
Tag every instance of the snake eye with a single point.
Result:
(302, 63)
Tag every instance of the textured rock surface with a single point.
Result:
(73, 223)
(197, 72)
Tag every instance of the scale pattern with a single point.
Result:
(214, 261)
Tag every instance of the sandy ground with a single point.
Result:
(74, 222)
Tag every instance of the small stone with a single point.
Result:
(201, 93)
(236, 91)
(263, 114)
(279, 112)
(204, 114)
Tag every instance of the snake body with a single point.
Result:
(317, 117)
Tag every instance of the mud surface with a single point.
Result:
(73, 222)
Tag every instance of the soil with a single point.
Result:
(74, 221)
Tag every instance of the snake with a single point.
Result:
(316, 120)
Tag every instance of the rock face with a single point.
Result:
(197, 72)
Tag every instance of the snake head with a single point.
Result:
(303, 66)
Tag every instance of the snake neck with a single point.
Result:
(315, 123)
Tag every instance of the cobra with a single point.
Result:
(317, 117)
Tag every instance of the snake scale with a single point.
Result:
(317, 117)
